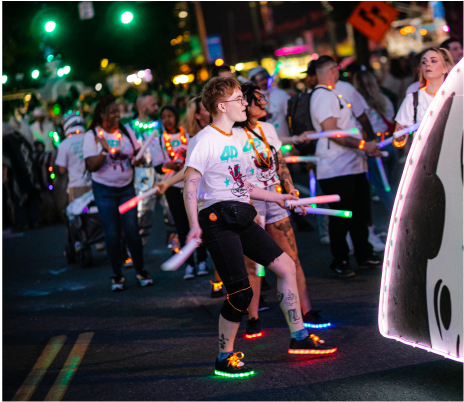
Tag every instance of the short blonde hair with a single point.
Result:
(446, 59)
(216, 89)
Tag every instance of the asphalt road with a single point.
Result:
(160, 343)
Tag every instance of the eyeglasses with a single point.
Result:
(261, 99)
(241, 100)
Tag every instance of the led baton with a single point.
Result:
(297, 159)
(322, 199)
(325, 211)
(123, 208)
(146, 144)
(177, 260)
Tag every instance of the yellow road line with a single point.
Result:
(43, 363)
(70, 367)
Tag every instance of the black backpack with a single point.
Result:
(299, 119)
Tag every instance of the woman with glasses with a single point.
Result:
(261, 147)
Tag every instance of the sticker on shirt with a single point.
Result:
(238, 186)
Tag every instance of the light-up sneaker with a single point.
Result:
(312, 319)
(253, 329)
(233, 367)
(311, 345)
(216, 289)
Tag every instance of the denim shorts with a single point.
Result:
(270, 211)
(227, 246)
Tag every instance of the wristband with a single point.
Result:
(361, 144)
(294, 139)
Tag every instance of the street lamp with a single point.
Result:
(50, 26)
(35, 74)
(127, 17)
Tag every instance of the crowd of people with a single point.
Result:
(219, 166)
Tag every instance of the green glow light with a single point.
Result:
(35, 74)
(286, 148)
(221, 373)
(127, 17)
(66, 69)
(60, 72)
(56, 109)
(50, 133)
(78, 113)
(50, 26)
(347, 214)
(50, 58)
(261, 271)
(52, 176)
(345, 74)
(4, 79)
(387, 189)
(314, 205)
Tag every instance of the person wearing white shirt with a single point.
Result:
(217, 199)
(43, 129)
(108, 150)
(70, 157)
(342, 170)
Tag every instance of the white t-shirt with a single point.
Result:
(117, 170)
(266, 175)
(222, 165)
(405, 115)
(335, 160)
(413, 88)
(377, 123)
(43, 135)
(353, 97)
(277, 108)
(71, 157)
(159, 154)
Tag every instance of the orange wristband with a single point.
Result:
(361, 144)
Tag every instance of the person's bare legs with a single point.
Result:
(227, 333)
(255, 282)
(287, 291)
(282, 233)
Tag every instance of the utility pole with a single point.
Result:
(201, 30)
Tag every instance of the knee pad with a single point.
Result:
(239, 297)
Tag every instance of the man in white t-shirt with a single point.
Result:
(342, 170)
(70, 156)
(43, 129)
(276, 98)
(216, 183)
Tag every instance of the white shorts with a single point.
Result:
(271, 211)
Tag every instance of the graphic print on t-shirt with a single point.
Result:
(117, 159)
(238, 187)
(264, 173)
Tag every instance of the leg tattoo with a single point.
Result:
(293, 316)
(290, 299)
(286, 227)
(222, 341)
(280, 296)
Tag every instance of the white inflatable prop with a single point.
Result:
(421, 295)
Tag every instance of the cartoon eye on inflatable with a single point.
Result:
(421, 296)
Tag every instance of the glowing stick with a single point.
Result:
(354, 132)
(270, 80)
(384, 153)
(297, 159)
(383, 144)
(146, 144)
(383, 176)
(312, 183)
(325, 211)
(407, 130)
(123, 208)
(177, 260)
(322, 199)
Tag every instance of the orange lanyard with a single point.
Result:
(268, 148)
(167, 141)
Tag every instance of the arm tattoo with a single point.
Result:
(284, 173)
(190, 195)
(250, 187)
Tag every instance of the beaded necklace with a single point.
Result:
(431, 93)
(268, 148)
(167, 141)
(144, 126)
(118, 136)
(222, 132)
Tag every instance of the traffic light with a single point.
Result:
(35, 74)
(127, 17)
(50, 26)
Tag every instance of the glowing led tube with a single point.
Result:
(322, 199)
(354, 132)
(123, 208)
(177, 260)
(146, 144)
(297, 159)
(260, 270)
(383, 176)
(407, 130)
(384, 153)
(312, 183)
(325, 211)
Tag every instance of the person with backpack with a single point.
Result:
(436, 63)
(108, 150)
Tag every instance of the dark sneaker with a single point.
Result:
(263, 306)
(202, 269)
(264, 285)
(373, 261)
(216, 290)
(233, 367)
(143, 279)
(312, 319)
(342, 269)
(253, 329)
(117, 283)
(189, 272)
(311, 345)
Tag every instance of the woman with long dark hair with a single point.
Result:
(108, 149)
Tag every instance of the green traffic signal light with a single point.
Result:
(35, 74)
(127, 17)
(50, 26)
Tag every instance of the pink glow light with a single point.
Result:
(445, 28)
(291, 50)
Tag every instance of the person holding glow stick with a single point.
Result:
(436, 63)
(168, 157)
(217, 195)
(108, 151)
(261, 146)
(342, 170)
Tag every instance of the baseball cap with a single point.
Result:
(73, 122)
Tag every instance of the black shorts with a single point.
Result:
(227, 246)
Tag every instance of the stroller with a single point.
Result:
(84, 229)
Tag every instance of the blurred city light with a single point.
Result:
(239, 66)
(137, 81)
(314, 56)
(127, 17)
(4, 79)
(104, 63)
(445, 28)
(407, 30)
(131, 78)
(27, 98)
(141, 74)
(50, 58)
(218, 62)
(423, 32)
(183, 79)
(183, 14)
(35, 74)
(60, 72)
(50, 26)
(98, 87)
(66, 69)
